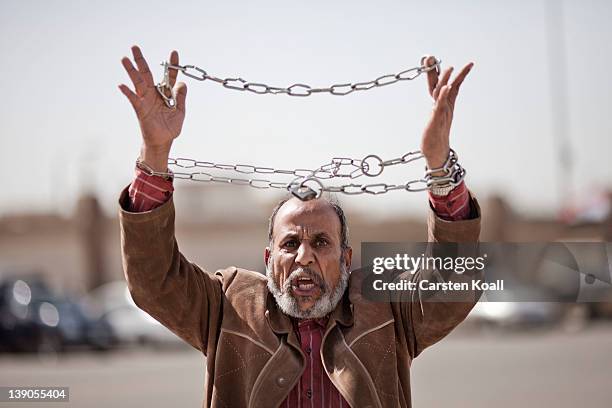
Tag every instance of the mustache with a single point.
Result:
(303, 272)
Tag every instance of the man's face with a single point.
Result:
(307, 268)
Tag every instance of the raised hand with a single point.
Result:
(159, 124)
(435, 144)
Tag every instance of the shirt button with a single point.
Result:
(308, 350)
(309, 393)
(281, 381)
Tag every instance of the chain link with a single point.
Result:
(297, 89)
(307, 182)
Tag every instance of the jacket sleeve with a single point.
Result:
(177, 293)
(428, 316)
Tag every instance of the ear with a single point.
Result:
(348, 257)
(266, 255)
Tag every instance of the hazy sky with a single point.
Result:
(65, 125)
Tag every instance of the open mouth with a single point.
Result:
(304, 286)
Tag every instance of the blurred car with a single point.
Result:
(131, 325)
(517, 307)
(77, 328)
(34, 319)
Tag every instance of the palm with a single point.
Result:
(159, 124)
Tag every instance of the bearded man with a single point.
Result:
(303, 335)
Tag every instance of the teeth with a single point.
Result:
(304, 285)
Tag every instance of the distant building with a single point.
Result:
(217, 226)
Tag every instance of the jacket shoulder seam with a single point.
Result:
(258, 343)
(365, 333)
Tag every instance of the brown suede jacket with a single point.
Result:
(253, 353)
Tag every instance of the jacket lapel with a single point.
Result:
(281, 324)
(283, 370)
(277, 378)
(343, 367)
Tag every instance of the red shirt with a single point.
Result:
(148, 192)
(314, 388)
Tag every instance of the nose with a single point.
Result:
(304, 255)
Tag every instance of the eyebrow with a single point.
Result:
(320, 234)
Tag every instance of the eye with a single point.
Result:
(321, 242)
(291, 244)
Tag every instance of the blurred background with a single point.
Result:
(532, 127)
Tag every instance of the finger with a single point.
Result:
(132, 97)
(135, 76)
(142, 65)
(442, 114)
(456, 84)
(432, 76)
(443, 98)
(174, 60)
(180, 94)
(445, 77)
(445, 93)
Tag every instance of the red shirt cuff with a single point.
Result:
(452, 207)
(148, 192)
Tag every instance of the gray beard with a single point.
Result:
(323, 306)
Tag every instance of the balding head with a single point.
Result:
(310, 205)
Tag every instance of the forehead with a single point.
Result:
(311, 217)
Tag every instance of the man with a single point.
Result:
(303, 335)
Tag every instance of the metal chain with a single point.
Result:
(297, 89)
(306, 183)
(453, 175)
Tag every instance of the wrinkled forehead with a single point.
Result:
(307, 217)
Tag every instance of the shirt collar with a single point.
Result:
(321, 322)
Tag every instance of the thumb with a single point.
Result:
(132, 97)
(180, 94)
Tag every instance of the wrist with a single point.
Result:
(443, 178)
(155, 157)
